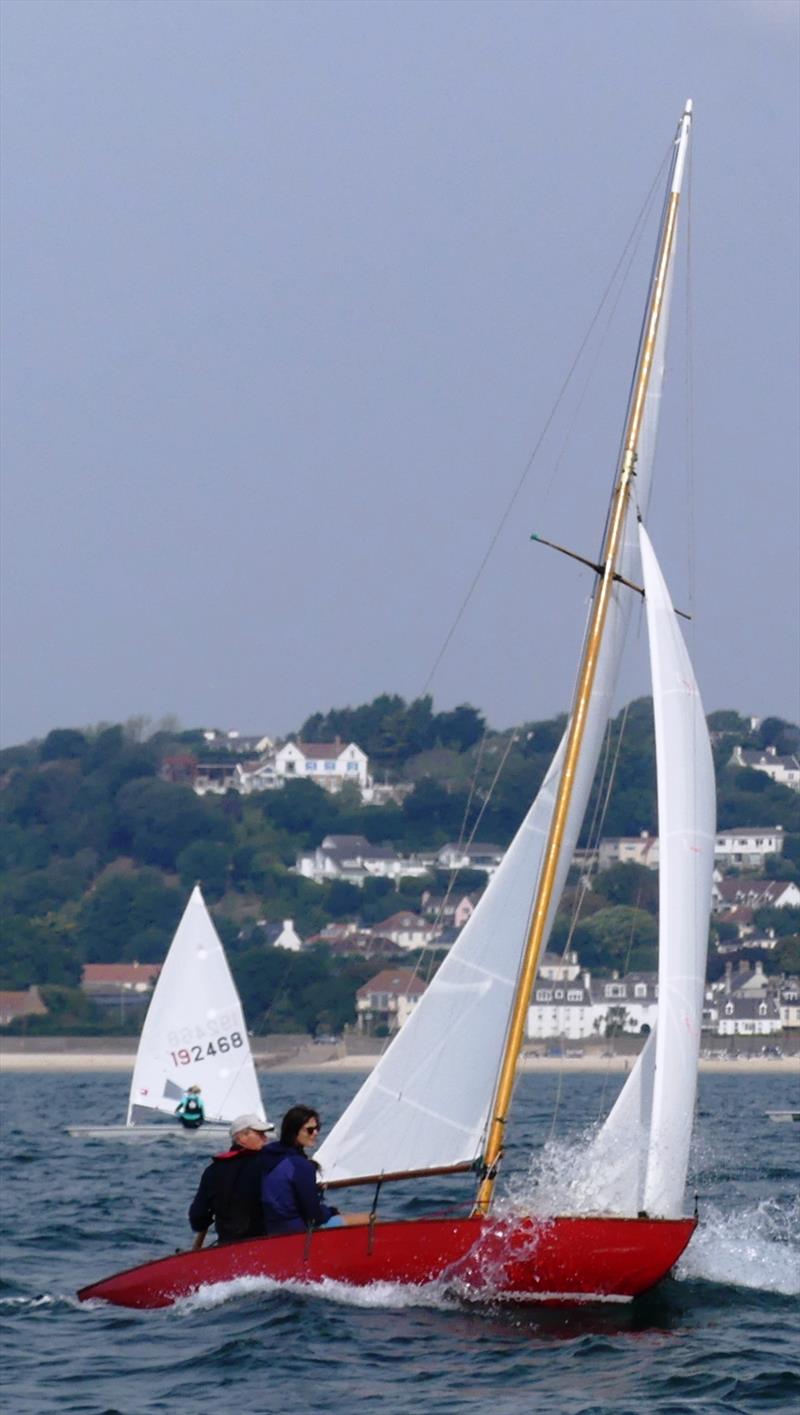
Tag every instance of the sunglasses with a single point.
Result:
(310, 1130)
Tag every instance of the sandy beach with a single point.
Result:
(88, 1061)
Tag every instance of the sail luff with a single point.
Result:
(657, 297)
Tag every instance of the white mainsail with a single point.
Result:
(194, 1032)
(641, 1154)
(427, 1102)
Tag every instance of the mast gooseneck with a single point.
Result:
(615, 528)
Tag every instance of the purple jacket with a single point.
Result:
(290, 1192)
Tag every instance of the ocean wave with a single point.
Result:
(753, 1249)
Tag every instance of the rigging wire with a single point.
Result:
(512, 738)
(631, 243)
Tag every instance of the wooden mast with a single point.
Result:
(586, 674)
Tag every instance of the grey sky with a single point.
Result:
(288, 293)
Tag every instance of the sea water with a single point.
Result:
(722, 1335)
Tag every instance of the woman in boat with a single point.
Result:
(290, 1189)
(190, 1109)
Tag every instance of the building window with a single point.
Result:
(311, 766)
(330, 766)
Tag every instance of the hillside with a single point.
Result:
(98, 851)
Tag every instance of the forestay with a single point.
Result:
(194, 1033)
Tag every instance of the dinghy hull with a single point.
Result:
(557, 1260)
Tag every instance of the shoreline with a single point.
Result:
(88, 1062)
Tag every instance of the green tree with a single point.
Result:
(303, 809)
(629, 884)
(35, 951)
(156, 821)
(207, 863)
(787, 954)
(780, 922)
(129, 918)
(62, 744)
(783, 736)
(619, 937)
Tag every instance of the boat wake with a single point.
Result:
(752, 1249)
(41, 1302)
(385, 1296)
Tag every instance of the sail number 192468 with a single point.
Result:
(185, 1055)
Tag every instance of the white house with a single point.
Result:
(741, 1016)
(260, 775)
(353, 858)
(566, 1003)
(348, 857)
(561, 1008)
(329, 764)
(388, 1000)
(285, 935)
(783, 769)
(470, 857)
(748, 847)
(628, 850)
(745, 891)
(789, 1002)
(557, 968)
(405, 929)
(631, 1001)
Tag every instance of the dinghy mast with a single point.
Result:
(615, 528)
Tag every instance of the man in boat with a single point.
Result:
(290, 1187)
(190, 1109)
(229, 1194)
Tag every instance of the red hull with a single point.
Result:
(521, 1259)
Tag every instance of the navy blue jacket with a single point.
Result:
(230, 1195)
(290, 1191)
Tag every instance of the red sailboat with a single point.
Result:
(439, 1099)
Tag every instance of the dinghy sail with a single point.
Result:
(438, 1100)
(194, 1034)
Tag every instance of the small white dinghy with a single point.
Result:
(194, 1034)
